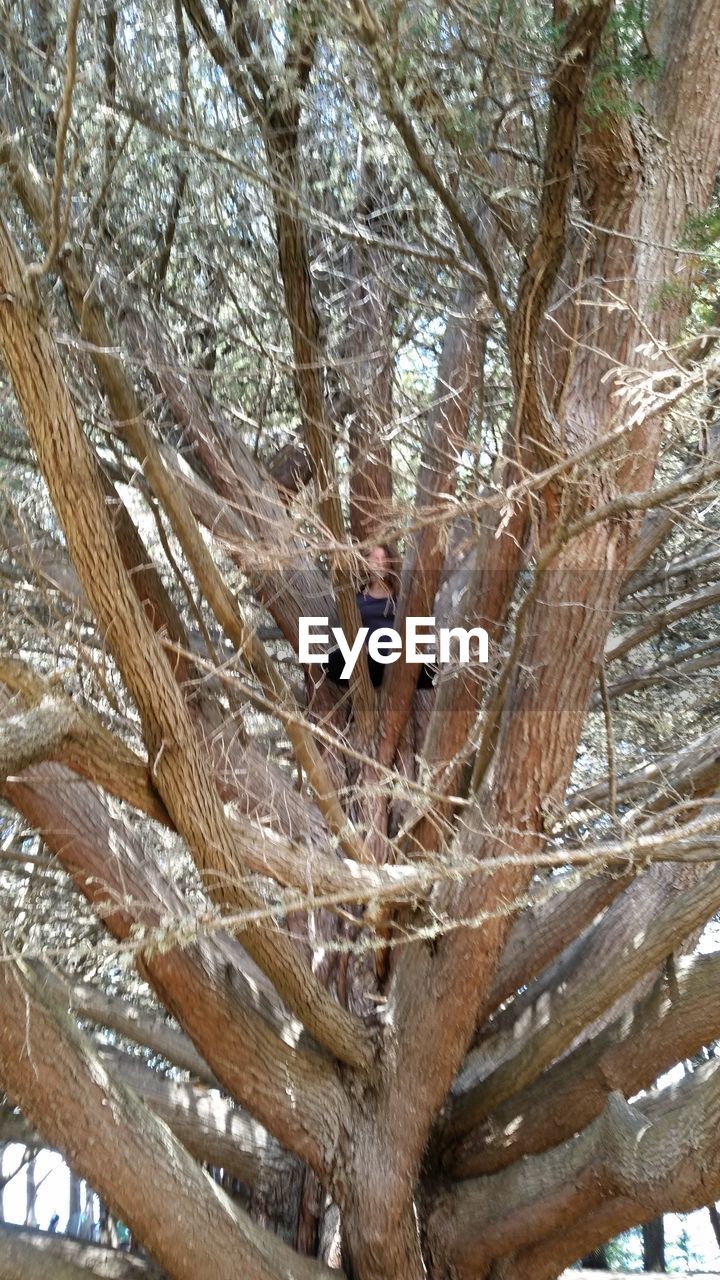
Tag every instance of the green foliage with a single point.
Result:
(672, 293)
(625, 60)
(702, 238)
(624, 1253)
(702, 231)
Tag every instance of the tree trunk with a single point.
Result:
(74, 1210)
(411, 1157)
(30, 1192)
(715, 1221)
(653, 1234)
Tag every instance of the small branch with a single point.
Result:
(370, 32)
(611, 754)
(57, 220)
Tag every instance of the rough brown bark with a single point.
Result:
(47, 1067)
(445, 434)
(179, 769)
(627, 1162)
(369, 374)
(228, 1013)
(358, 1098)
(672, 1022)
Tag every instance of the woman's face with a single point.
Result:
(379, 563)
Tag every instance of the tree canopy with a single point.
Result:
(374, 978)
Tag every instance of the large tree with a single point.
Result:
(280, 282)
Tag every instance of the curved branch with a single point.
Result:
(645, 947)
(138, 1024)
(34, 734)
(128, 411)
(445, 435)
(222, 1002)
(657, 1156)
(212, 1129)
(179, 767)
(544, 257)
(682, 608)
(668, 1165)
(124, 1151)
(672, 1022)
(541, 933)
(81, 742)
(692, 770)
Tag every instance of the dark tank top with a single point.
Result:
(375, 611)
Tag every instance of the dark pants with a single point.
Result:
(336, 662)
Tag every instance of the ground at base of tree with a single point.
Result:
(647, 1275)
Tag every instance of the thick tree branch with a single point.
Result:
(487, 587)
(129, 415)
(542, 933)
(660, 1155)
(211, 987)
(369, 366)
(692, 770)
(38, 1255)
(544, 257)
(304, 322)
(35, 734)
(86, 746)
(648, 946)
(102, 758)
(445, 435)
(214, 1132)
(134, 1022)
(51, 1071)
(179, 768)
(246, 775)
(673, 1021)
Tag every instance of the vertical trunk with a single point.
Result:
(89, 1213)
(445, 436)
(75, 1201)
(369, 373)
(653, 1234)
(715, 1221)
(30, 1192)
(276, 1200)
(108, 1234)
